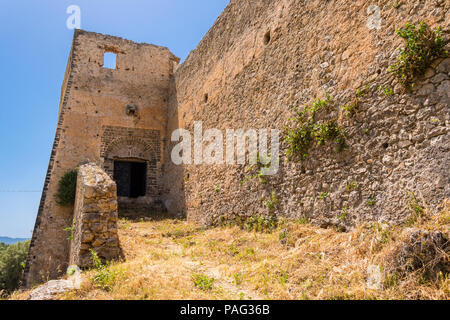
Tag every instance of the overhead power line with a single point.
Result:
(20, 191)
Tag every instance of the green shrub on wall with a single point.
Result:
(308, 132)
(423, 46)
(67, 189)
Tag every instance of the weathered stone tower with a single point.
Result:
(115, 117)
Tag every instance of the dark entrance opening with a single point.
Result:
(130, 177)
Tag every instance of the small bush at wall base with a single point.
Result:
(303, 220)
(423, 46)
(104, 277)
(262, 223)
(258, 223)
(417, 209)
(272, 203)
(67, 189)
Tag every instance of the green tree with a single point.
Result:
(12, 263)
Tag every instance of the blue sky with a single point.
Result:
(34, 47)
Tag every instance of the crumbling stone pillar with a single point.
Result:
(95, 217)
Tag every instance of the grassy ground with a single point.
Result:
(173, 259)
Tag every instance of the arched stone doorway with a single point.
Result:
(132, 158)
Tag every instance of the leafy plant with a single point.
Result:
(307, 132)
(285, 237)
(104, 277)
(262, 223)
(417, 208)
(344, 214)
(415, 204)
(362, 92)
(283, 277)
(422, 47)
(299, 140)
(329, 131)
(272, 203)
(70, 229)
(203, 282)
(250, 251)
(350, 109)
(371, 201)
(323, 195)
(352, 186)
(238, 278)
(303, 220)
(386, 90)
(67, 188)
(385, 235)
(232, 250)
(262, 166)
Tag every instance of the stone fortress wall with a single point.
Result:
(261, 57)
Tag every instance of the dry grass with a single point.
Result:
(172, 259)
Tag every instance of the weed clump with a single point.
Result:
(203, 282)
(307, 131)
(71, 230)
(417, 209)
(104, 278)
(262, 223)
(423, 46)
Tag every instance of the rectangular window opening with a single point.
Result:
(109, 60)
